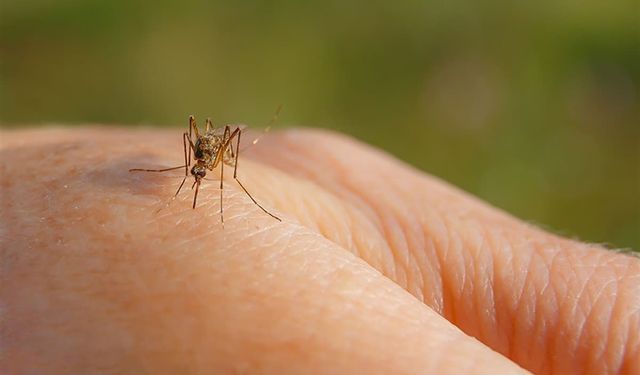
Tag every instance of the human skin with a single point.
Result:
(375, 268)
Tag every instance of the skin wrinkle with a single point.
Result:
(542, 311)
(617, 336)
(539, 316)
(602, 345)
(421, 265)
(561, 301)
(434, 283)
(333, 218)
(388, 228)
(633, 325)
(470, 270)
(377, 255)
(404, 247)
(484, 299)
(349, 234)
(397, 244)
(520, 279)
(507, 274)
(417, 261)
(414, 241)
(400, 273)
(297, 163)
(468, 309)
(571, 342)
(545, 325)
(479, 285)
(448, 308)
(471, 289)
(438, 288)
(605, 311)
(459, 289)
(497, 262)
(578, 308)
(542, 323)
(330, 229)
(628, 366)
(361, 247)
(357, 242)
(489, 316)
(526, 310)
(424, 260)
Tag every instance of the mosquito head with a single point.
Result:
(199, 171)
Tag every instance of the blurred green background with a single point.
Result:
(533, 106)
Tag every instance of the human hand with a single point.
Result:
(376, 267)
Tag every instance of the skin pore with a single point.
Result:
(376, 267)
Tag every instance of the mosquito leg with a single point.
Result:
(180, 187)
(156, 170)
(235, 167)
(219, 157)
(235, 176)
(186, 164)
(195, 195)
(221, 150)
(187, 158)
(190, 143)
(233, 151)
(193, 126)
(192, 147)
(221, 190)
(226, 140)
(254, 201)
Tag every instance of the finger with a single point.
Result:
(551, 304)
(94, 280)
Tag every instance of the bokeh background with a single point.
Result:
(531, 105)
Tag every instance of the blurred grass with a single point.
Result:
(533, 106)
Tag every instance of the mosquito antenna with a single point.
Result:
(266, 128)
(271, 122)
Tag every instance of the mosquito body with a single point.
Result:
(215, 147)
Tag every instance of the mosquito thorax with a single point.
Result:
(206, 146)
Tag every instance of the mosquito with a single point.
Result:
(212, 148)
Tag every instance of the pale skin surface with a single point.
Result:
(376, 267)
